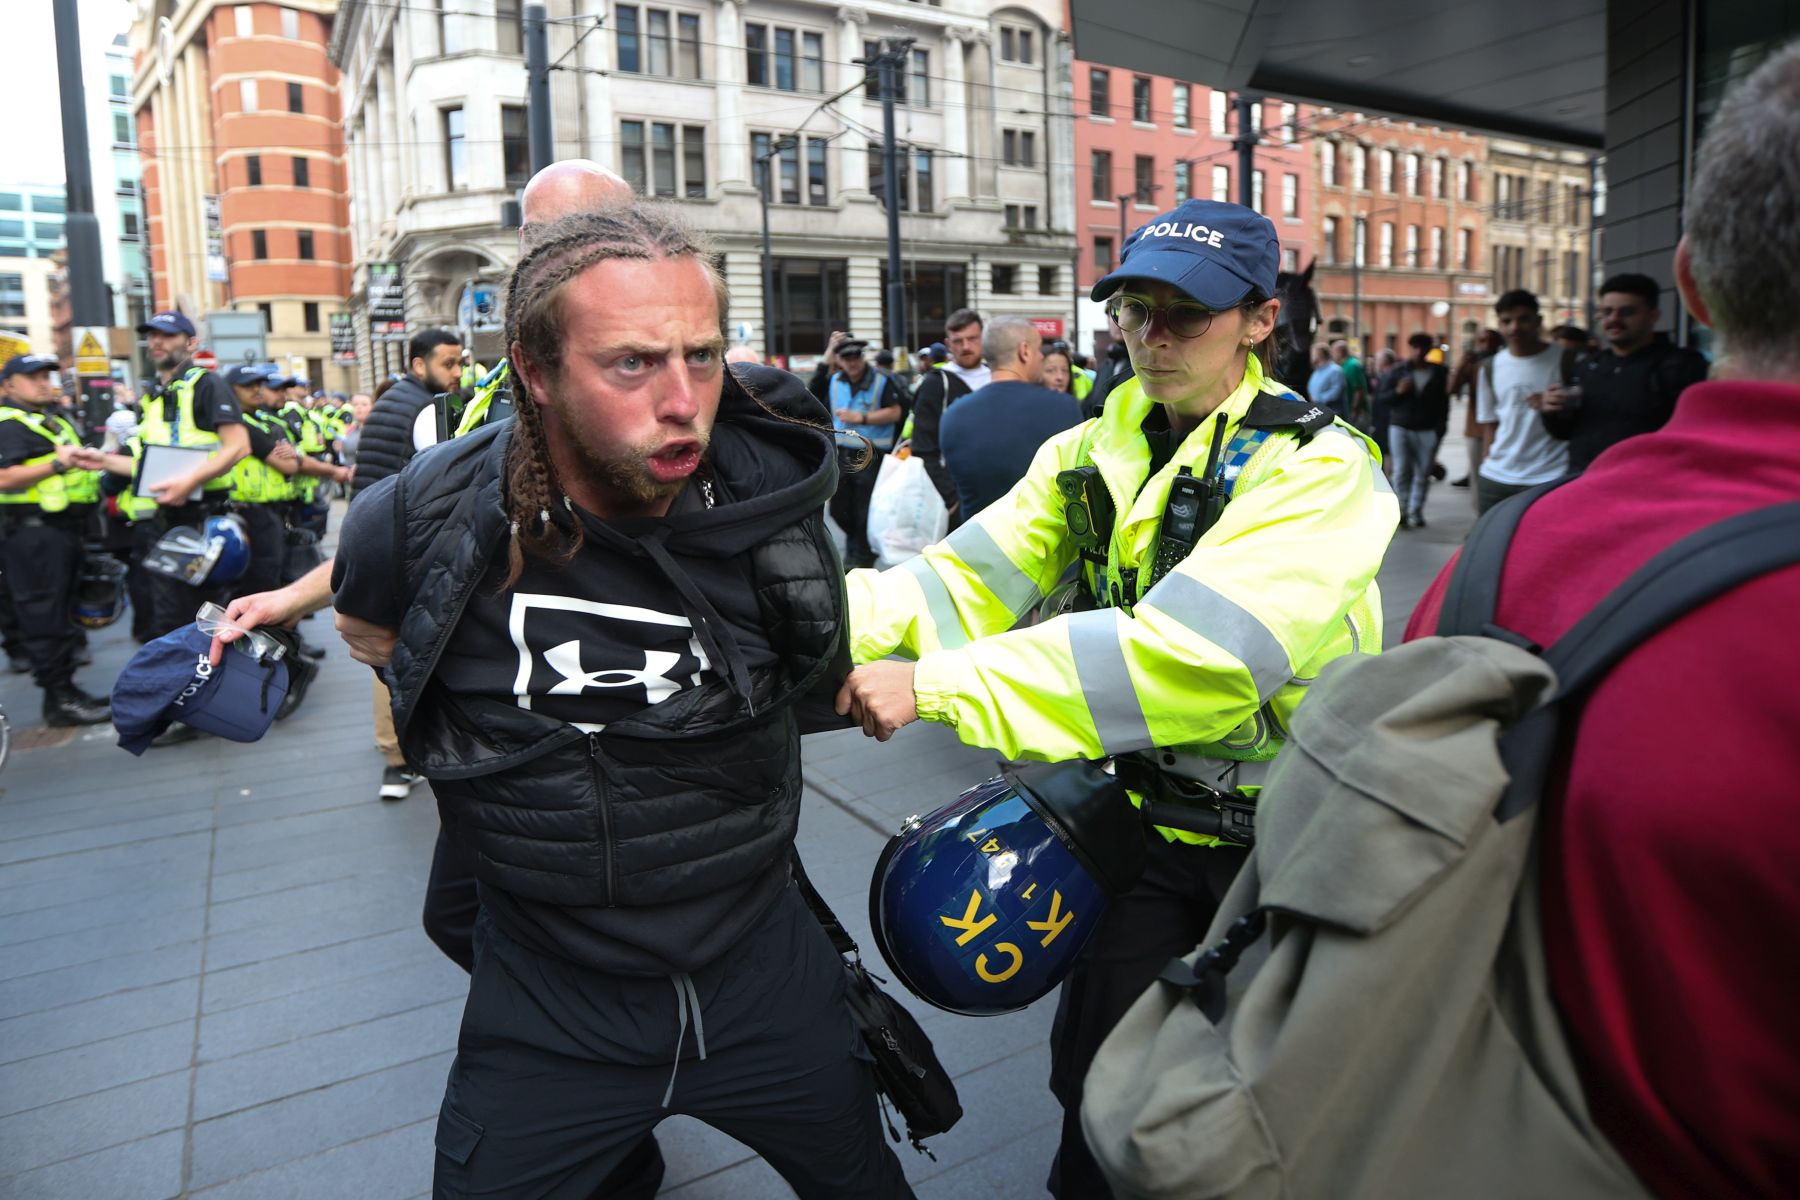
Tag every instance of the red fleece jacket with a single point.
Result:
(1671, 880)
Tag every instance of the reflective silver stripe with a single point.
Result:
(1227, 625)
(982, 555)
(938, 603)
(1106, 681)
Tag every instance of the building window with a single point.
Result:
(1437, 247)
(1005, 275)
(309, 316)
(673, 161)
(1328, 164)
(247, 95)
(1101, 176)
(785, 74)
(1386, 252)
(1359, 234)
(1290, 260)
(911, 86)
(1143, 179)
(1289, 131)
(1182, 99)
(1103, 254)
(456, 163)
(1018, 147)
(1571, 273)
(304, 245)
(646, 45)
(259, 245)
(625, 29)
(268, 315)
(121, 129)
(812, 62)
(1183, 180)
(922, 178)
(1140, 98)
(1412, 247)
(450, 32)
(1384, 165)
(1359, 167)
(509, 31)
(118, 87)
(1221, 179)
(1465, 249)
(128, 223)
(1256, 190)
(1465, 180)
(1409, 169)
(296, 98)
(302, 173)
(1331, 240)
(1217, 99)
(49, 204)
(693, 162)
(921, 80)
(1437, 178)
(818, 181)
(1099, 92)
(1016, 46)
(1022, 216)
(1290, 195)
(253, 169)
(1047, 281)
(515, 145)
(12, 229)
(915, 187)
(242, 16)
(290, 24)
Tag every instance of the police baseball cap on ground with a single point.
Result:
(27, 364)
(1220, 254)
(172, 679)
(168, 322)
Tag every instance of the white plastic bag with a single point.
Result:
(906, 514)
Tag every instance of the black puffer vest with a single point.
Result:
(689, 796)
(386, 444)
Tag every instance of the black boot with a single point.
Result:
(65, 704)
(300, 676)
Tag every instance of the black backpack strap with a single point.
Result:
(1700, 567)
(1473, 593)
(841, 941)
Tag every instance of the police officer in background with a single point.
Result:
(261, 482)
(1240, 560)
(197, 409)
(47, 497)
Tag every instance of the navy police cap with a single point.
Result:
(1219, 254)
(27, 364)
(173, 679)
(249, 375)
(168, 322)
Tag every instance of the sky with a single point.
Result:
(34, 132)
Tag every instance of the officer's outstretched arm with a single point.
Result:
(1204, 648)
(982, 579)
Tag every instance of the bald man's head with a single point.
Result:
(572, 186)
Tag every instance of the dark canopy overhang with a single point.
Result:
(1525, 68)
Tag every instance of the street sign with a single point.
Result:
(1048, 327)
(13, 344)
(206, 359)
(386, 302)
(343, 339)
(216, 270)
(91, 356)
(478, 308)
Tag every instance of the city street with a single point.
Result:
(213, 981)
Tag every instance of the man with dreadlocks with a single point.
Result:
(612, 612)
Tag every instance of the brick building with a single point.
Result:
(1402, 225)
(1538, 226)
(1144, 143)
(243, 168)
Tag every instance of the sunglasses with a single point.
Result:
(1184, 318)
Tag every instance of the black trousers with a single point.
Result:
(41, 560)
(452, 902)
(1163, 917)
(172, 602)
(268, 549)
(137, 582)
(561, 1071)
(850, 505)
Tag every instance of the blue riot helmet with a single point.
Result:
(982, 907)
(100, 597)
(218, 553)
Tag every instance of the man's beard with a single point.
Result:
(169, 361)
(627, 473)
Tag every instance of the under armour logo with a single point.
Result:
(658, 685)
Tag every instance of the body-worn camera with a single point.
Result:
(1087, 510)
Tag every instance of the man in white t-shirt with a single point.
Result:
(1521, 453)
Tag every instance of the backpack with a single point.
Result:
(1370, 1015)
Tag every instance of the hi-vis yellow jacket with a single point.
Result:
(1210, 662)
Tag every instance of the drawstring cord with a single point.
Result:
(686, 998)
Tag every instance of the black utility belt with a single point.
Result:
(23, 516)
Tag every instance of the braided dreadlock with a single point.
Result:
(543, 524)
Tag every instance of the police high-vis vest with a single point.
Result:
(132, 506)
(475, 414)
(309, 440)
(54, 493)
(168, 420)
(1211, 661)
(254, 481)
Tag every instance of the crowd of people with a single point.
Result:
(604, 606)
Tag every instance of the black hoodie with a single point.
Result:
(646, 845)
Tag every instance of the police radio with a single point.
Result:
(1192, 508)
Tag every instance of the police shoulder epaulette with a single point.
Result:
(1286, 411)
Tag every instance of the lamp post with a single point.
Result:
(1358, 244)
(765, 186)
(1130, 198)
